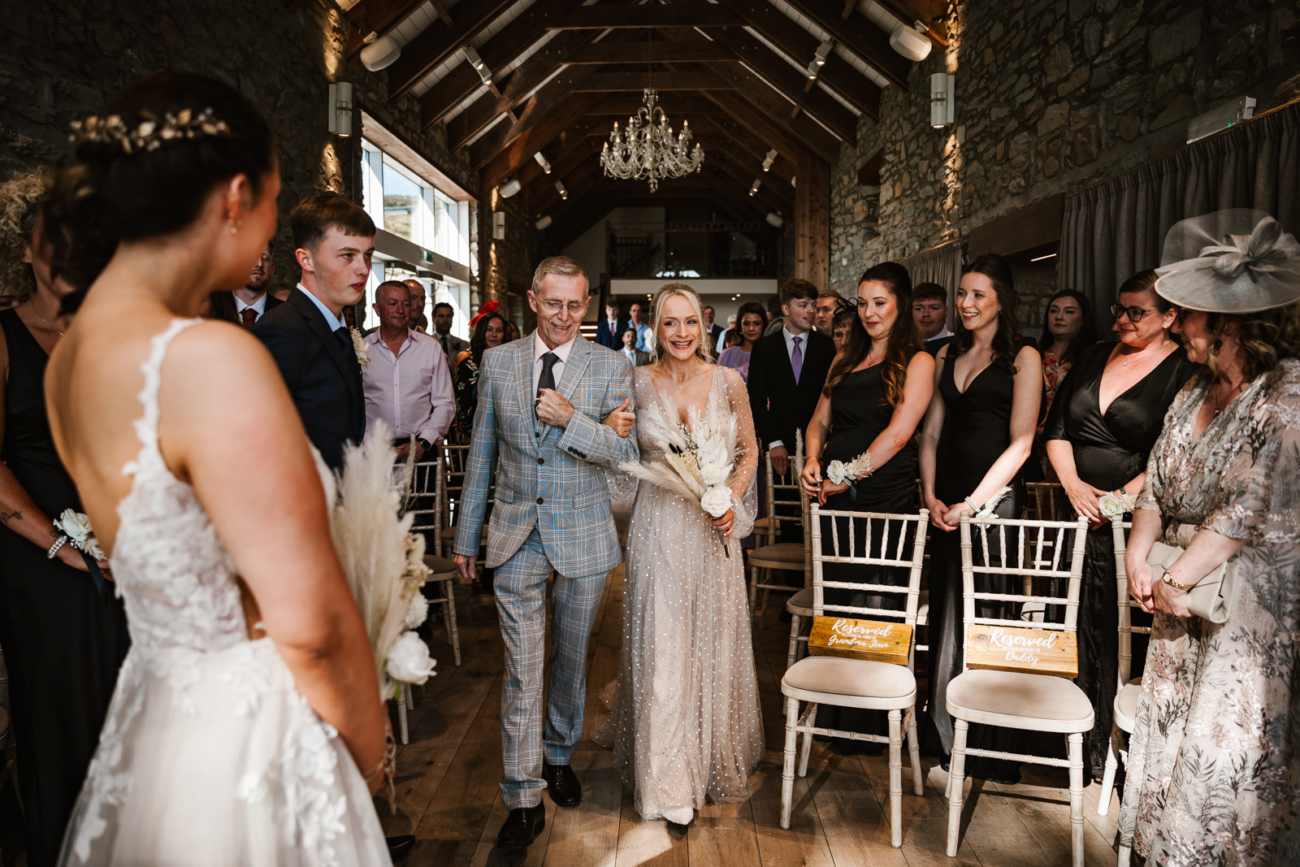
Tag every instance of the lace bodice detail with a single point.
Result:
(177, 580)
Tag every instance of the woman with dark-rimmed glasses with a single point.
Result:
(1107, 414)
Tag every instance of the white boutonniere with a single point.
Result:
(359, 344)
(1116, 504)
(76, 526)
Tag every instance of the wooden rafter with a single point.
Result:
(747, 116)
(608, 82)
(662, 52)
(549, 125)
(858, 35)
(438, 42)
(531, 112)
(604, 17)
(678, 107)
(380, 17)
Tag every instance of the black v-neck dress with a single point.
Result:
(63, 631)
(1110, 450)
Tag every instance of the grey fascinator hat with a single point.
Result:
(1232, 261)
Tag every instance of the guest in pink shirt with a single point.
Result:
(407, 382)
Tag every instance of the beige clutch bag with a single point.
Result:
(1209, 598)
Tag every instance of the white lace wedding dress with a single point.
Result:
(686, 717)
(209, 754)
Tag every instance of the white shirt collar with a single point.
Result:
(412, 336)
(789, 337)
(333, 320)
(562, 351)
(259, 305)
(941, 335)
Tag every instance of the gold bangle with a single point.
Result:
(1174, 584)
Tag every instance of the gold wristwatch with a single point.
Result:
(1174, 584)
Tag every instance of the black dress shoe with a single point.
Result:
(522, 827)
(400, 846)
(562, 784)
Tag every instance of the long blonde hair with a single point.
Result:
(702, 351)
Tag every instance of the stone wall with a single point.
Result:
(1052, 95)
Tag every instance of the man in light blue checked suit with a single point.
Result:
(540, 405)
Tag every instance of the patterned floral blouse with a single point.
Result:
(1054, 372)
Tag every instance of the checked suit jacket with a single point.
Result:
(547, 478)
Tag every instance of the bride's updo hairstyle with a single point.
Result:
(702, 351)
(145, 168)
(904, 337)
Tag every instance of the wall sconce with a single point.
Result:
(484, 74)
(340, 97)
(769, 159)
(380, 53)
(541, 161)
(543, 222)
(819, 60)
(564, 192)
(753, 188)
(498, 225)
(510, 187)
(775, 219)
(943, 100)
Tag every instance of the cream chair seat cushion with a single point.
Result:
(782, 552)
(1126, 704)
(801, 603)
(1018, 700)
(850, 683)
(440, 568)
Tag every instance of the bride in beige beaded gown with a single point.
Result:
(686, 716)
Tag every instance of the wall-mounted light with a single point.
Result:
(769, 159)
(498, 225)
(819, 60)
(541, 161)
(911, 42)
(775, 219)
(477, 63)
(543, 222)
(753, 188)
(563, 190)
(510, 187)
(943, 99)
(380, 53)
(340, 98)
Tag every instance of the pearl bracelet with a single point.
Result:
(54, 549)
(972, 505)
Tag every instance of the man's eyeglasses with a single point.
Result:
(1134, 314)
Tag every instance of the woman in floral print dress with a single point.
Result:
(1213, 770)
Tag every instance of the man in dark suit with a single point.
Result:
(713, 331)
(334, 241)
(609, 331)
(930, 310)
(252, 302)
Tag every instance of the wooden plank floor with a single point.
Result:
(447, 785)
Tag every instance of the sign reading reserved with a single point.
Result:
(1008, 648)
(877, 641)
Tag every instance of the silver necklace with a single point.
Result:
(48, 324)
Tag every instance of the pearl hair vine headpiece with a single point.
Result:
(149, 134)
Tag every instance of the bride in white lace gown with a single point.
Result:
(249, 688)
(685, 715)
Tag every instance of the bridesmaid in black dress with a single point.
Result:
(875, 395)
(62, 629)
(1105, 419)
(978, 433)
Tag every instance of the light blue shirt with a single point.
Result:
(642, 329)
(333, 320)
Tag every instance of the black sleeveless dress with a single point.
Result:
(63, 631)
(859, 413)
(976, 431)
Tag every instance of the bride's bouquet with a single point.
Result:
(383, 560)
(699, 456)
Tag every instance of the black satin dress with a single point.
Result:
(859, 413)
(976, 431)
(1110, 450)
(63, 631)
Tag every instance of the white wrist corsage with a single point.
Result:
(359, 344)
(839, 472)
(76, 526)
(1117, 503)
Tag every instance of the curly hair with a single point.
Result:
(21, 198)
(1263, 338)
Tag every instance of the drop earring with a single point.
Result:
(235, 224)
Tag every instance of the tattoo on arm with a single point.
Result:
(6, 517)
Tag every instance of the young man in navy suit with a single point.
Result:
(609, 331)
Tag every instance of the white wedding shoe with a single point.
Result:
(680, 816)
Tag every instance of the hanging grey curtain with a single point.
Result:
(941, 264)
(1117, 228)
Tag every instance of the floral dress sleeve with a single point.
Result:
(1170, 444)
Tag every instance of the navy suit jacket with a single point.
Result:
(605, 338)
(323, 377)
(781, 406)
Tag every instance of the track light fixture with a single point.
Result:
(753, 188)
(563, 190)
(477, 63)
(541, 161)
(819, 60)
(769, 159)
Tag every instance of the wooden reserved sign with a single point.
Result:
(876, 641)
(1010, 648)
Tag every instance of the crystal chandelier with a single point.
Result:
(649, 149)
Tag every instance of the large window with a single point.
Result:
(401, 202)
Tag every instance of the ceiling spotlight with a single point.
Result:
(754, 187)
(564, 192)
(775, 219)
(380, 53)
(510, 187)
(819, 60)
(543, 222)
(541, 161)
(769, 159)
(477, 63)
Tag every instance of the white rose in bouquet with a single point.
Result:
(418, 612)
(835, 471)
(716, 501)
(409, 660)
(713, 475)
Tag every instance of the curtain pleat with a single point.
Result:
(941, 264)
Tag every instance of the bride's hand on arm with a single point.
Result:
(621, 419)
(220, 392)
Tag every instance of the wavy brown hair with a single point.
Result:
(904, 338)
(21, 198)
(1006, 342)
(1087, 335)
(1264, 338)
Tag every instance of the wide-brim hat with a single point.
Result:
(1232, 261)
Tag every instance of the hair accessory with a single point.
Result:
(150, 133)
(1232, 261)
(486, 310)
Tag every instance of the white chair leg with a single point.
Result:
(914, 747)
(787, 766)
(1075, 742)
(401, 715)
(896, 778)
(807, 741)
(956, 778)
(1125, 855)
(793, 656)
(449, 613)
(1108, 778)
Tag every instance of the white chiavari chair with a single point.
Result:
(455, 457)
(1015, 677)
(899, 542)
(783, 495)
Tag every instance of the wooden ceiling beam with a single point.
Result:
(536, 183)
(838, 74)
(787, 144)
(380, 17)
(529, 114)
(438, 42)
(610, 82)
(751, 141)
(859, 36)
(738, 182)
(745, 169)
(681, 106)
(604, 17)
(520, 150)
(498, 52)
(578, 181)
(660, 52)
